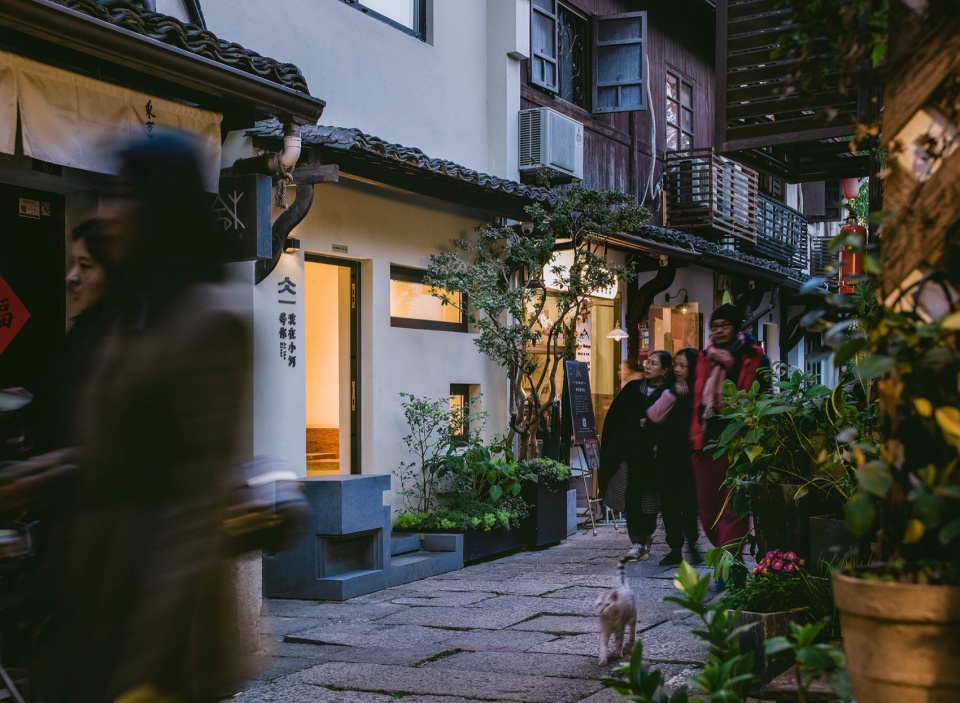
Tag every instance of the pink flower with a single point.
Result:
(791, 568)
(802, 562)
(776, 564)
(790, 556)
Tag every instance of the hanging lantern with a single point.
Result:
(850, 188)
(851, 255)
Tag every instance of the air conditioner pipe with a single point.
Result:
(270, 163)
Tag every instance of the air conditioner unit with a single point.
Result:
(550, 140)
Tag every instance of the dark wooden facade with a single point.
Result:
(764, 120)
(621, 148)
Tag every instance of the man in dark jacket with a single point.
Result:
(730, 355)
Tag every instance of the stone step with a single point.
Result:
(403, 543)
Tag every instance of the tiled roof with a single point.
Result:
(189, 37)
(366, 147)
(414, 170)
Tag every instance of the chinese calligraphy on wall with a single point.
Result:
(286, 290)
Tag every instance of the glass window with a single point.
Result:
(679, 113)
(408, 15)
(413, 305)
(574, 57)
(460, 411)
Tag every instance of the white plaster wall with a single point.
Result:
(455, 96)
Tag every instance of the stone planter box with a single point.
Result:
(480, 545)
(766, 626)
(547, 521)
(781, 522)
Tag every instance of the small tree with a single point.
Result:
(500, 278)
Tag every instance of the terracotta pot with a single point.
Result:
(902, 640)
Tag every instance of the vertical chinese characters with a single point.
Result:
(286, 290)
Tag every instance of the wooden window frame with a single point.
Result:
(419, 17)
(545, 15)
(681, 81)
(413, 275)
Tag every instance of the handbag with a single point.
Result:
(615, 495)
(267, 509)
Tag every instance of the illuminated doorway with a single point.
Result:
(330, 350)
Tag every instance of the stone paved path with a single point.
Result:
(519, 628)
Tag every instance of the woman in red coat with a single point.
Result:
(731, 355)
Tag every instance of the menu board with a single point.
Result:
(584, 424)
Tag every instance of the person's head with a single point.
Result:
(629, 371)
(725, 324)
(658, 369)
(87, 278)
(158, 217)
(685, 363)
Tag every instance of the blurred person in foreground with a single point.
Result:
(735, 356)
(145, 604)
(88, 287)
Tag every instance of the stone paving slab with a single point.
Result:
(673, 642)
(481, 686)
(296, 691)
(496, 640)
(461, 618)
(517, 629)
(562, 665)
(445, 599)
(370, 635)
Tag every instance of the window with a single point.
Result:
(412, 305)
(813, 356)
(460, 411)
(679, 113)
(408, 15)
(563, 43)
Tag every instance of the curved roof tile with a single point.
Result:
(189, 37)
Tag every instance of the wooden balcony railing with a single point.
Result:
(781, 232)
(706, 191)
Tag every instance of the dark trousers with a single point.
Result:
(640, 525)
(678, 503)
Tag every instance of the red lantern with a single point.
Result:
(851, 255)
(850, 187)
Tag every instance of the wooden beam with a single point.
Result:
(308, 174)
(790, 132)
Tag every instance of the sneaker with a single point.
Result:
(672, 559)
(639, 552)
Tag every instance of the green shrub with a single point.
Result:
(465, 515)
(552, 474)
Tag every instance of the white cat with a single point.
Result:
(617, 609)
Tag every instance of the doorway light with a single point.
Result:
(291, 245)
(617, 333)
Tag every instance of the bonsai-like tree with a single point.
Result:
(499, 278)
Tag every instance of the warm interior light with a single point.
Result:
(617, 333)
(292, 245)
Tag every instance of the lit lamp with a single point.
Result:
(683, 305)
(292, 245)
(617, 333)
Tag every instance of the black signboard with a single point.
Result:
(584, 425)
(242, 210)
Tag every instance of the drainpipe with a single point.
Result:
(766, 309)
(272, 164)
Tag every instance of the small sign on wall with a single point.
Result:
(242, 209)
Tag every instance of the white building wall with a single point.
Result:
(455, 96)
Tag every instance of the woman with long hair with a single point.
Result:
(675, 483)
(628, 444)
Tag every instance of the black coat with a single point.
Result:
(623, 438)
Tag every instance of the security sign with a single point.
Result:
(13, 315)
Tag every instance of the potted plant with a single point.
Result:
(545, 492)
(458, 483)
(778, 591)
(904, 607)
(790, 451)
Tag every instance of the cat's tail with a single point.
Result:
(622, 570)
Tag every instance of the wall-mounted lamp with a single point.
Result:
(617, 333)
(683, 304)
(292, 245)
